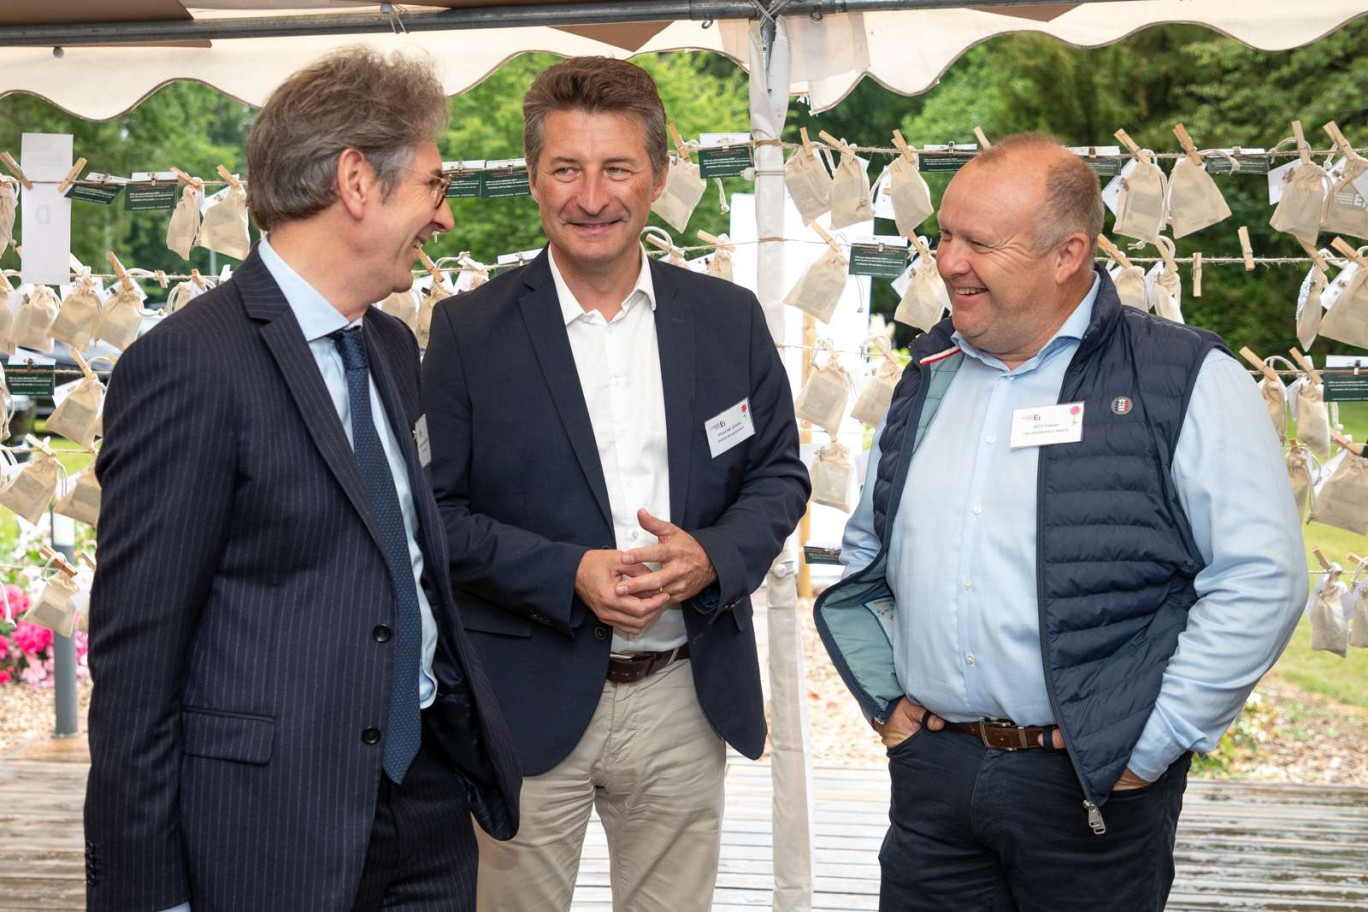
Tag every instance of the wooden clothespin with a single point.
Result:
(716, 241)
(826, 237)
(1314, 254)
(834, 143)
(1352, 254)
(1188, 145)
(682, 149)
(57, 560)
(196, 279)
(1196, 274)
(1302, 148)
(1124, 138)
(40, 446)
(1337, 137)
(1245, 249)
(1305, 364)
(1113, 251)
(86, 559)
(807, 143)
(659, 244)
(1320, 559)
(1258, 364)
(983, 142)
(922, 250)
(429, 265)
(119, 271)
(161, 277)
(187, 179)
(71, 175)
(81, 363)
(1353, 558)
(908, 152)
(1346, 443)
(229, 177)
(17, 171)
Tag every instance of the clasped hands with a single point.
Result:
(625, 593)
(905, 721)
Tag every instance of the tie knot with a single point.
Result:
(352, 347)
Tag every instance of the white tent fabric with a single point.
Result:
(905, 50)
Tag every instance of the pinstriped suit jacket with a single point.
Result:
(232, 619)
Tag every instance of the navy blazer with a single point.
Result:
(234, 614)
(517, 476)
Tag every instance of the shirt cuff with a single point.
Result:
(1157, 748)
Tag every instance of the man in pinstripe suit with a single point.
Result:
(287, 712)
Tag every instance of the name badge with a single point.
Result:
(727, 429)
(1047, 425)
(420, 438)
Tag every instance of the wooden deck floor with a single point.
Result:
(1241, 846)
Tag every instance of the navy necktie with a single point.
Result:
(403, 731)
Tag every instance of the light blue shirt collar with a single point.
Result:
(1072, 331)
(316, 315)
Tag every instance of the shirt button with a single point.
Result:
(978, 510)
(370, 736)
(968, 584)
(991, 440)
(969, 659)
(381, 633)
(635, 535)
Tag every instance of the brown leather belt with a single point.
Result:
(1000, 734)
(638, 665)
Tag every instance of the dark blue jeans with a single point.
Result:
(978, 830)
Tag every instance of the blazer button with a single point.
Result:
(381, 633)
(370, 736)
(600, 633)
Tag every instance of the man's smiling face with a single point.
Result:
(594, 187)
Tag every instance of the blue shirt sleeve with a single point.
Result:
(1231, 478)
(183, 907)
(859, 544)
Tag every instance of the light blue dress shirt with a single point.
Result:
(967, 635)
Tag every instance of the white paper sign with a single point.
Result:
(1047, 425)
(1277, 179)
(1111, 194)
(727, 429)
(46, 214)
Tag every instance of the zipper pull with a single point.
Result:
(1099, 826)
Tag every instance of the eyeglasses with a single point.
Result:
(437, 185)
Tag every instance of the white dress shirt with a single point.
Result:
(618, 362)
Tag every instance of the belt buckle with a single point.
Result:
(985, 725)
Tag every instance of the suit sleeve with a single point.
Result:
(512, 568)
(773, 497)
(166, 471)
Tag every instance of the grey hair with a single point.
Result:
(1073, 196)
(354, 98)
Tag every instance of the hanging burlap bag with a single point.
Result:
(121, 318)
(1142, 208)
(851, 199)
(925, 298)
(77, 417)
(9, 303)
(825, 394)
(439, 291)
(7, 209)
(874, 398)
(1329, 630)
(1342, 501)
(185, 222)
(1313, 420)
(78, 316)
(1303, 202)
(808, 184)
(910, 194)
(55, 608)
(224, 228)
(402, 305)
(34, 320)
(684, 187)
(1275, 400)
(820, 289)
(1130, 285)
(1310, 309)
(1358, 632)
(30, 491)
(1346, 307)
(833, 477)
(1299, 474)
(720, 265)
(82, 499)
(1195, 202)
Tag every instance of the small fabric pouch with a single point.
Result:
(1329, 629)
(1195, 202)
(32, 323)
(1275, 400)
(1142, 209)
(825, 394)
(720, 263)
(224, 228)
(9, 302)
(1313, 420)
(1346, 211)
(55, 608)
(910, 194)
(926, 297)
(1163, 286)
(78, 316)
(122, 318)
(1346, 307)
(439, 291)
(852, 201)
(684, 187)
(876, 395)
(1342, 501)
(82, 499)
(820, 289)
(808, 184)
(77, 416)
(1302, 206)
(403, 306)
(184, 225)
(1358, 632)
(7, 209)
(833, 478)
(31, 490)
(1310, 309)
(1130, 286)
(1299, 474)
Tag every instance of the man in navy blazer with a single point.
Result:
(616, 460)
(287, 712)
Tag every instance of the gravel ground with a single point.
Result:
(27, 714)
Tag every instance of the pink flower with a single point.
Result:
(18, 601)
(34, 674)
(4, 677)
(32, 639)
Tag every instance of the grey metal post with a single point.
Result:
(64, 647)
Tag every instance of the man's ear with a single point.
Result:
(1073, 256)
(356, 183)
(659, 187)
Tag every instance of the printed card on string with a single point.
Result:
(1310, 309)
(30, 374)
(1106, 161)
(1244, 160)
(465, 178)
(882, 257)
(505, 179)
(724, 154)
(152, 192)
(945, 158)
(97, 187)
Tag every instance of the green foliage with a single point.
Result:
(1252, 728)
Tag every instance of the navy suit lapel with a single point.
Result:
(674, 321)
(264, 301)
(541, 314)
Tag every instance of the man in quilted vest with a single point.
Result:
(1075, 556)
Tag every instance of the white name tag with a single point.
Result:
(420, 437)
(727, 429)
(1047, 425)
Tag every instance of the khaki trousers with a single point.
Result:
(653, 766)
